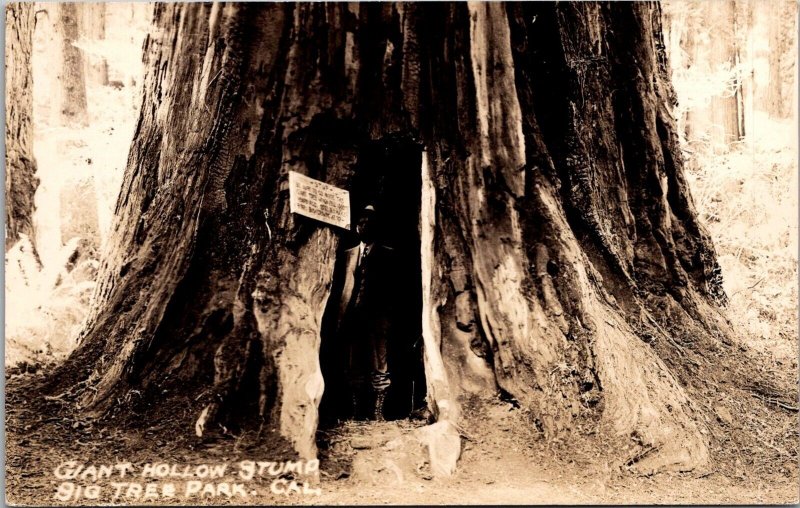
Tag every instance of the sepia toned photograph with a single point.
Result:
(437, 253)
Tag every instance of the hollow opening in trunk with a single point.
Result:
(376, 296)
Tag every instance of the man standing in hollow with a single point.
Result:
(365, 312)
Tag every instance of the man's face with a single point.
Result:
(365, 226)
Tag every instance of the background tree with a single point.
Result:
(94, 29)
(782, 23)
(72, 78)
(727, 107)
(21, 181)
(705, 40)
(556, 222)
(732, 60)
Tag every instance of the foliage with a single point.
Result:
(748, 199)
(45, 307)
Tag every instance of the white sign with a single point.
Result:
(319, 200)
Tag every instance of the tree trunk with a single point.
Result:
(782, 30)
(710, 41)
(746, 55)
(94, 19)
(560, 247)
(774, 88)
(697, 119)
(726, 107)
(21, 181)
(73, 85)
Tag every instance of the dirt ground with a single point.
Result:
(505, 462)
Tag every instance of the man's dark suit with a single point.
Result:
(365, 313)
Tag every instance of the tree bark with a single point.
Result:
(554, 210)
(73, 84)
(21, 181)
